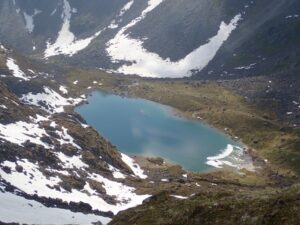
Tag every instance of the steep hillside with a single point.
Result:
(49, 155)
(269, 207)
(210, 39)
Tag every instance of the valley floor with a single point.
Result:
(272, 144)
(222, 195)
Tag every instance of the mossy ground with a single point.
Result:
(269, 206)
(211, 102)
(268, 196)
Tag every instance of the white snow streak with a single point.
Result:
(29, 20)
(66, 42)
(116, 173)
(134, 166)
(71, 162)
(17, 72)
(148, 64)
(232, 156)
(126, 8)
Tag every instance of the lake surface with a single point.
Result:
(142, 127)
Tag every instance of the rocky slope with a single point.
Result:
(211, 39)
(254, 44)
(223, 207)
(49, 155)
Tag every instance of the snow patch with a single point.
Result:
(17, 72)
(50, 100)
(148, 64)
(32, 212)
(65, 138)
(66, 42)
(53, 12)
(179, 197)
(126, 7)
(35, 182)
(124, 194)
(71, 162)
(113, 25)
(20, 132)
(2, 47)
(245, 67)
(292, 16)
(136, 169)
(63, 89)
(29, 20)
(232, 156)
(116, 173)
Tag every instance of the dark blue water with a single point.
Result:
(141, 127)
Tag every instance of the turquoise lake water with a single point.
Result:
(141, 127)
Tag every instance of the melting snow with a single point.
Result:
(148, 64)
(65, 138)
(50, 100)
(71, 162)
(19, 132)
(53, 12)
(63, 89)
(123, 193)
(179, 197)
(113, 25)
(66, 42)
(17, 72)
(292, 16)
(126, 8)
(116, 173)
(31, 71)
(29, 23)
(2, 47)
(232, 156)
(246, 67)
(134, 166)
(32, 212)
(34, 182)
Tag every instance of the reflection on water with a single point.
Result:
(141, 127)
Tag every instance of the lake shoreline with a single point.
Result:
(218, 106)
(176, 114)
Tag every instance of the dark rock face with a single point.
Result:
(175, 28)
(266, 41)
(47, 20)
